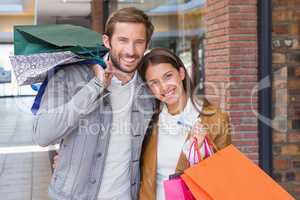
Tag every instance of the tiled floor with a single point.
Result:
(23, 176)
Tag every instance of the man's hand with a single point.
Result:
(55, 161)
(103, 75)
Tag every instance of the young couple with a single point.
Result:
(101, 117)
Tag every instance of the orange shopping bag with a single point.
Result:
(230, 175)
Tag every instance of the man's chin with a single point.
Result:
(128, 69)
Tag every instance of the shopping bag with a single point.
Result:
(230, 175)
(41, 48)
(34, 39)
(195, 153)
(34, 68)
(176, 189)
(197, 192)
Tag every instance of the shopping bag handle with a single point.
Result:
(196, 150)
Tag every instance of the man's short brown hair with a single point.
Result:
(129, 14)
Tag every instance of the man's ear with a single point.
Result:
(106, 41)
(148, 45)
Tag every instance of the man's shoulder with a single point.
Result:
(77, 72)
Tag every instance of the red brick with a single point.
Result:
(298, 178)
(219, 52)
(237, 16)
(242, 114)
(218, 65)
(280, 29)
(282, 15)
(243, 78)
(243, 71)
(285, 3)
(217, 72)
(246, 143)
(241, 107)
(239, 93)
(243, 38)
(294, 29)
(242, 2)
(243, 44)
(224, 58)
(214, 27)
(216, 6)
(242, 24)
(278, 58)
(247, 57)
(296, 16)
(290, 150)
(281, 164)
(279, 137)
(250, 150)
(231, 66)
(217, 39)
(247, 128)
(219, 78)
(219, 32)
(216, 13)
(294, 137)
(213, 46)
(243, 51)
(242, 86)
(216, 20)
(242, 30)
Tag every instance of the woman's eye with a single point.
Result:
(168, 76)
(153, 83)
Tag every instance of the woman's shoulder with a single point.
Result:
(213, 111)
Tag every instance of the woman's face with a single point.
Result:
(165, 82)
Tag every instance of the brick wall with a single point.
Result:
(231, 67)
(286, 94)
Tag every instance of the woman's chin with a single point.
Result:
(171, 101)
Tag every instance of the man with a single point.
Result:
(99, 116)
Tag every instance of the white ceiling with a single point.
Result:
(63, 8)
(44, 11)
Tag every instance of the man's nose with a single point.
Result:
(130, 49)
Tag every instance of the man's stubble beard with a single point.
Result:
(118, 66)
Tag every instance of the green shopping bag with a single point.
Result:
(35, 39)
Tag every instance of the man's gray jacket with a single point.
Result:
(75, 111)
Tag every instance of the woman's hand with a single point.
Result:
(199, 133)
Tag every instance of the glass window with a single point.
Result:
(12, 12)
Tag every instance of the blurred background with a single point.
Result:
(25, 168)
(178, 26)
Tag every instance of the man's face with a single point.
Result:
(127, 45)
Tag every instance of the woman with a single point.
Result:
(177, 110)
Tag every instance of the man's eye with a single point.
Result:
(140, 42)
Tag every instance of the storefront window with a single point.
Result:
(178, 26)
(12, 13)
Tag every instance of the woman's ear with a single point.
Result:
(182, 73)
(106, 41)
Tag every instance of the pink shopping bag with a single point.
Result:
(176, 189)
